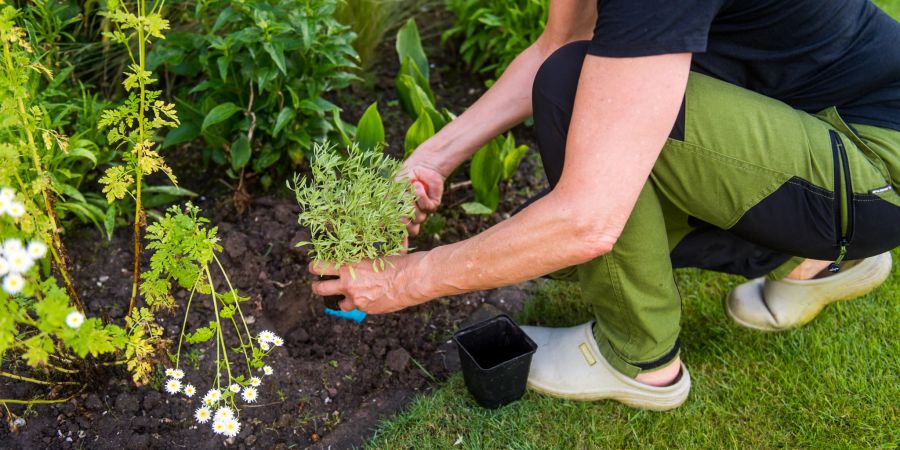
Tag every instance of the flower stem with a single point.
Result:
(35, 380)
(187, 310)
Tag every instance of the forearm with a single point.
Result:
(623, 113)
(506, 104)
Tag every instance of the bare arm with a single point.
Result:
(624, 111)
(508, 101)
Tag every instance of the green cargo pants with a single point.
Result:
(746, 185)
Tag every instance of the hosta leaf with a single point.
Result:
(219, 114)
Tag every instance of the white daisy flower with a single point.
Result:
(4, 266)
(7, 194)
(36, 249)
(74, 319)
(203, 414)
(234, 388)
(218, 427)
(19, 261)
(177, 374)
(173, 386)
(13, 283)
(250, 395)
(12, 245)
(264, 346)
(278, 342)
(232, 428)
(15, 210)
(170, 373)
(189, 390)
(255, 381)
(4, 205)
(223, 413)
(268, 370)
(212, 397)
(266, 336)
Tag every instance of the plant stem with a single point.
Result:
(56, 247)
(4, 401)
(34, 380)
(218, 325)
(139, 174)
(187, 310)
(237, 306)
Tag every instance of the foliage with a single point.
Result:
(494, 33)
(253, 81)
(494, 163)
(353, 206)
(185, 253)
(372, 20)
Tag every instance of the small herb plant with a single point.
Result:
(353, 206)
(185, 255)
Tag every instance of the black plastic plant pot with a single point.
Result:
(496, 357)
(331, 301)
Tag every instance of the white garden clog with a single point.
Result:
(770, 305)
(568, 364)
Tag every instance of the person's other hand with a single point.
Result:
(428, 185)
(384, 291)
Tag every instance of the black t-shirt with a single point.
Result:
(810, 54)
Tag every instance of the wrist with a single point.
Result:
(417, 281)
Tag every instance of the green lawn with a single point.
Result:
(833, 383)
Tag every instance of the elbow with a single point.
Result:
(593, 239)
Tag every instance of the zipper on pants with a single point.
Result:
(843, 192)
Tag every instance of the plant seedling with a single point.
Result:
(353, 206)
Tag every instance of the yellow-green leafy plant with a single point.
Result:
(25, 145)
(134, 124)
(353, 205)
(185, 257)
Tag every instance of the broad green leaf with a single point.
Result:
(370, 130)
(342, 127)
(186, 132)
(276, 51)
(419, 132)
(511, 156)
(285, 117)
(240, 152)
(109, 222)
(409, 45)
(412, 98)
(265, 159)
(220, 114)
(485, 172)
(412, 70)
(476, 209)
(169, 190)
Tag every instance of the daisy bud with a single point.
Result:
(264, 346)
(268, 370)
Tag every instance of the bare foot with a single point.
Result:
(808, 269)
(663, 376)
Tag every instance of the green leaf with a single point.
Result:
(174, 191)
(485, 172)
(109, 222)
(420, 131)
(370, 130)
(512, 156)
(409, 45)
(342, 127)
(186, 132)
(476, 209)
(285, 117)
(412, 98)
(276, 51)
(219, 114)
(240, 152)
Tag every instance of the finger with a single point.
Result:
(327, 288)
(323, 268)
(421, 217)
(413, 229)
(346, 305)
(405, 249)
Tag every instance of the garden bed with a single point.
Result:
(334, 379)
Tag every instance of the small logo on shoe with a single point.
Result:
(881, 190)
(586, 352)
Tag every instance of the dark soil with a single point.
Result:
(334, 379)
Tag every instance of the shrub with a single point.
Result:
(353, 206)
(253, 80)
(493, 33)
